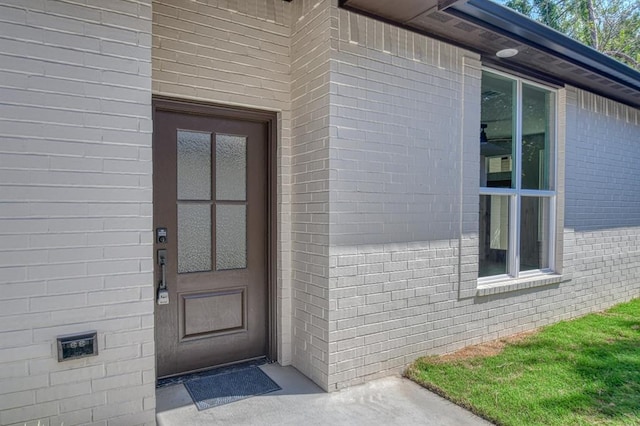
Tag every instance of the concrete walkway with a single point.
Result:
(388, 401)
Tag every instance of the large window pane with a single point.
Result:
(494, 235)
(516, 112)
(534, 233)
(537, 137)
(497, 133)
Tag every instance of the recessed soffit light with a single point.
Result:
(507, 53)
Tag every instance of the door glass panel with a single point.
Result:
(537, 128)
(494, 235)
(194, 165)
(231, 237)
(497, 131)
(231, 167)
(194, 237)
(534, 233)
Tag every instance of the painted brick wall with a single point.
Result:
(399, 167)
(396, 148)
(310, 70)
(603, 149)
(75, 211)
(235, 53)
(377, 193)
(403, 246)
(221, 53)
(602, 218)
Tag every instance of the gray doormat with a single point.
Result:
(175, 380)
(226, 387)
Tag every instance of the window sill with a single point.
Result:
(506, 286)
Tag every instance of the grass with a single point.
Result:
(580, 372)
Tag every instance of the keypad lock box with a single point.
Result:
(161, 235)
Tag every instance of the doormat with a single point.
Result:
(176, 380)
(230, 386)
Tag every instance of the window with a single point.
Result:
(517, 177)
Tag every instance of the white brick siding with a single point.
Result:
(602, 219)
(75, 211)
(602, 163)
(310, 54)
(402, 162)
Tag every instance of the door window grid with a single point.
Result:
(193, 200)
(231, 202)
(194, 209)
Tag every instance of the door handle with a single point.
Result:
(163, 292)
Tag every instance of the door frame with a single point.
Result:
(170, 104)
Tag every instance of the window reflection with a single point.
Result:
(497, 131)
(515, 179)
(494, 235)
(537, 148)
(534, 233)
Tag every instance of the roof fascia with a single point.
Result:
(527, 31)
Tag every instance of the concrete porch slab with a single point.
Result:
(388, 401)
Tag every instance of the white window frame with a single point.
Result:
(515, 194)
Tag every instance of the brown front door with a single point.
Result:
(210, 194)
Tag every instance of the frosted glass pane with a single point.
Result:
(194, 165)
(231, 237)
(231, 167)
(194, 237)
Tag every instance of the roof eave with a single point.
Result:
(527, 31)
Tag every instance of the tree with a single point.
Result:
(609, 26)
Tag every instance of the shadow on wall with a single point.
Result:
(602, 184)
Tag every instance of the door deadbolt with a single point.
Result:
(161, 235)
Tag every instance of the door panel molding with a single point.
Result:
(221, 303)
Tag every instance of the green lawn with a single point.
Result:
(580, 372)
